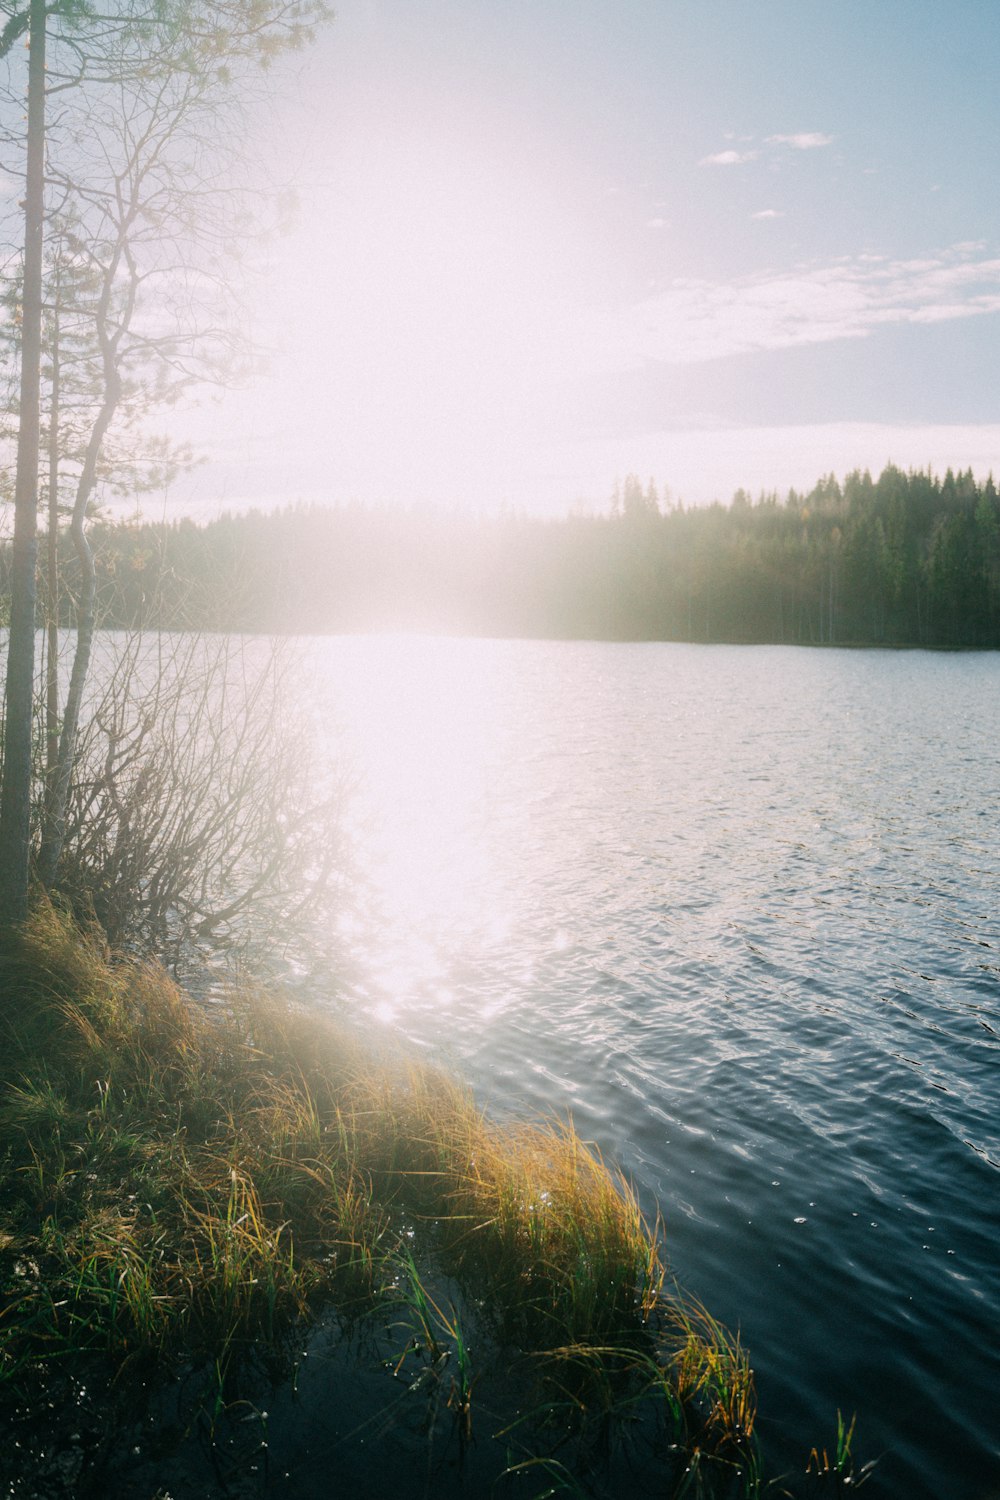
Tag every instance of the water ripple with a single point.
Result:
(736, 909)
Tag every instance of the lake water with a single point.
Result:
(737, 909)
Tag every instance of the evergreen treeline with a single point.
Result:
(904, 559)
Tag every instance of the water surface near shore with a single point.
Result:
(736, 910)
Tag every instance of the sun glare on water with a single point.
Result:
(423, 730)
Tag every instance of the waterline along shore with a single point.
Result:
(193, 1192)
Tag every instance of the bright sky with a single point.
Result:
(542, 243)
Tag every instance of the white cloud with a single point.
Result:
(656, 223)
(728, 159)
(768, 213)
(805, 140)
(850, 298)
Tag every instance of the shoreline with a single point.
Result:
(197, 1193)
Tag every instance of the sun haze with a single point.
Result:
(539, 247)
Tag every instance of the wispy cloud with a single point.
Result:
(728, 159)
(850, 298)
(804, 140)
(768, 213)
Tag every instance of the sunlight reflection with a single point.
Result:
(427, 745)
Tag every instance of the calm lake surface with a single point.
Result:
(737, 909)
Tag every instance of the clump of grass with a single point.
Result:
(837, 1472)
(178, 1191)
(709, 1368)
(179, 1181)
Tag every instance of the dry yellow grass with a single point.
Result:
(185, 1180)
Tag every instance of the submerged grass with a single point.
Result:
(174, 1181)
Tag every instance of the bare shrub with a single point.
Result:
(195, 815)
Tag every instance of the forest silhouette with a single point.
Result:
(904, 559)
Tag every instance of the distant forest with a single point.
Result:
(905, 559)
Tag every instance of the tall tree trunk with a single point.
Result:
(52, 599)
(15, 797)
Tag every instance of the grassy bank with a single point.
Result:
(185, 1187)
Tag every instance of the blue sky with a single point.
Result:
(541, 244)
